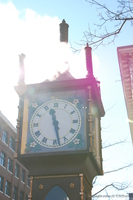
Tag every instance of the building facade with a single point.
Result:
(14, 180)
(130, 196)
(125, 58)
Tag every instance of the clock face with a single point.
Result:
(55, 123)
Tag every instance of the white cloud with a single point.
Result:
(37, 37)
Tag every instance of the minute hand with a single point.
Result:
(55, 123)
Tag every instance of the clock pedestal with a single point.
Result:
(73, 174)
(79, 152)
(69, 186)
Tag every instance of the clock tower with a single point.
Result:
(59, 133)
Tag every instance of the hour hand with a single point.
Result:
(55, 123)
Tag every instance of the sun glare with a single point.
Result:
(37, 37)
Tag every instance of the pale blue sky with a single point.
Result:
(15, 38)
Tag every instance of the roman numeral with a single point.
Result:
(72, 130)
(35, 124)
(44, 140)
(37, 133)
(75, 121)
(38, 115)
(46, 107)
(65, 139)
(55, 104)
(65, 106)
(72, 112)
(55, 142)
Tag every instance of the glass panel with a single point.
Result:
(21, 197)
(10, 164)
(8, 188)
(17, 170)
(1, 183)
(26, 198)
(3, 159)
(56, 193)
(12, 143)
(5, 137)
(15, 193)
(23, 175)
(28, 181)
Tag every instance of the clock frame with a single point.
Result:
(80, 149)
(39, 134)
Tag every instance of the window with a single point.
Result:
(3, 159)
(23, 175)
(56, 193)
(1, 183)
(8, 188)
(5, 137)
(26, 198)
(21, 197)
(28, 181)
(12, 143)
(17, 168)
(10, 164)
(15, 193)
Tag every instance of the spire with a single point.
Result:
(64, 31)
(89, 66)
(21, 80)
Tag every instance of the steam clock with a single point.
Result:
(58, 133)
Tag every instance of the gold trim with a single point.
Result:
(90, 119)
(81, 187)
(41, 186)
(90, 149)
(88, 184)
(24, 125)
(71, 185)
(18, 126)
(31, 183)
(56, 176)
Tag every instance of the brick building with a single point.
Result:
(125, 58)
(14, 181)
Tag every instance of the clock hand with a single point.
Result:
(55, 123)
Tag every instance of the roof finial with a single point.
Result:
(21, 80)
(88, 61)
(64, 31)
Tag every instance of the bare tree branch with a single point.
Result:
(111, 107)
(102, 189)
(94, 180)
(117, 186)
(116, 170)
(118, 18)
(116, 143)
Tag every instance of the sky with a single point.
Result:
(32, 27)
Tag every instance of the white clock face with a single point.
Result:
(55, 123)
